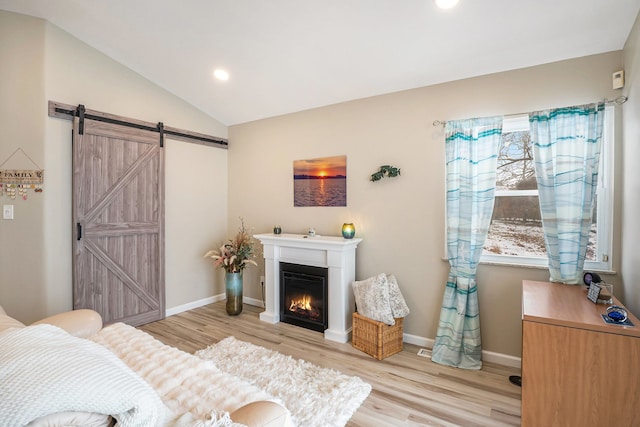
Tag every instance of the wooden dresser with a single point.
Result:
(577, 370)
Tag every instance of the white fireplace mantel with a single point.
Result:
(336, 254)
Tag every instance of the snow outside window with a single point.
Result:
(515, 234)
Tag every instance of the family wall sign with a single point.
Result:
(17, 182)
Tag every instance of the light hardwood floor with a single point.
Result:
(407, 389)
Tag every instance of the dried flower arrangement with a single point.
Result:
(235, 255)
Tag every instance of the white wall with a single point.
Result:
(196, 176)
(402, 219)
(631, 172)
(22, 126)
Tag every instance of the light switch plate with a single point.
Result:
(7, 211)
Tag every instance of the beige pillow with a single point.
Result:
(399, 307)
(261, 413)
(372, 299)
(81, 323)
(8, 322)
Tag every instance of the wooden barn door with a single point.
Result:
(118, 214)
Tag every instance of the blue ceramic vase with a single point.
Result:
(233, 287)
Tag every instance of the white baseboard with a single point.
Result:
(194, 304)
(199, 303)
(417, 340)
(502, 359)
(489, 356)
(253, 301)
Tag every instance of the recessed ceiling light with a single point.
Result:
(446, 4)
(221, 74)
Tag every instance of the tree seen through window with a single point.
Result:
(516, 223)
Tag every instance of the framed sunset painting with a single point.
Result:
(320, 182)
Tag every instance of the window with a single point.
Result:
(515, 234)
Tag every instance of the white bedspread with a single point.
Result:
(44, 370)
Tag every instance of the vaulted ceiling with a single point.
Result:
(290, 55)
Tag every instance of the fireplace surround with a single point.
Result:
(336, 254)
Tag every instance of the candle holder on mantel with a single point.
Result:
(348, 230)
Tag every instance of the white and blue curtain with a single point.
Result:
(471, 156)
(566, 149)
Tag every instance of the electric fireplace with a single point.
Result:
(336, 254)
(303, 293)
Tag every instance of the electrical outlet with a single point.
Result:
(262, 281)
(7, 211)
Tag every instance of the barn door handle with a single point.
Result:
(79, 230)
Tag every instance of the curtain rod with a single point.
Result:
(617, 101)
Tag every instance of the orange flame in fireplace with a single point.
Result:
(303, 303)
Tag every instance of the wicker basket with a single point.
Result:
(376, 338)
